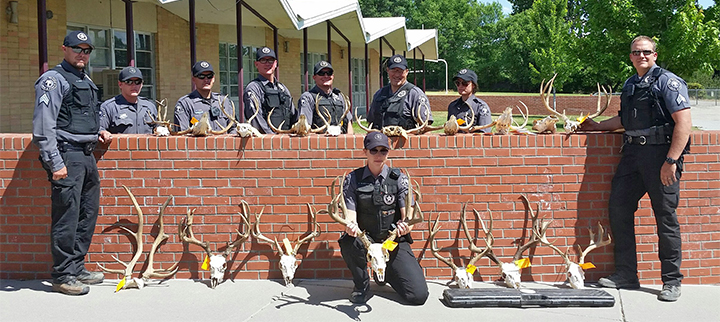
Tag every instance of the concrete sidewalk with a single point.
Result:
(321, 300)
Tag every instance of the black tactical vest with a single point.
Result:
(333, 105)
(640, 108)
(80, 111)
(392, 106)
(281, 102)
(377, 206)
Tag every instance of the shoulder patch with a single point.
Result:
(178, 107)
(402, 93)
(48, 84)
(673, 84)
(403, 182)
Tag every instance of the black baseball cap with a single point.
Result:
(466, 75)
(397, 61)
(75, 38)
(201, 67)
(128, 73)
(263, 52)
(322, 65)
(376, 139)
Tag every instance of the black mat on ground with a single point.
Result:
(505, 297)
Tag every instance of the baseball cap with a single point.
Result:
(466, 75)
(201, 67)
(75, 38)
(375, 139)
(321, 65)
(128, 73)
(397, 61)
(263, 52)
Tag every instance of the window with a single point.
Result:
(358, 70)
(110, 55)
(313, 58)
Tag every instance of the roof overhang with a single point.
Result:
(425, 40)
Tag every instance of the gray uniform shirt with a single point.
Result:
(117, 115)
(194, 105)
(257, 87)
(50, 89)
(413, 98)
(306, 103)
(461, 110)
(351, 184)
(669, 87)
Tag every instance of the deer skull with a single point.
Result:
(245, 130)
(332, 130)
(161, 122)
(545, 125)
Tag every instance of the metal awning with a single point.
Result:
(425, 40)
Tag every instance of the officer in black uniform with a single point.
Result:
(66, 128)
(655, 114)
(192, 106)
(397, 103)
(331, 100)
(466, 83)
(375, 199)
(128, 113)
(270, 93)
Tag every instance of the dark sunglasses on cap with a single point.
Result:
(78, 50)
(644, 52)
(459, 83)
(325, 73)
(382, 151)
(204, 76)
(130, 81)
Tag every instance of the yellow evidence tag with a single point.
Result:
(120, 285)
(193, 121)
(587, 265)
(582, 118)
(206, 263)
(389, 245)
(288, 248)
(460, 121)
(522, 263)
(471, 269)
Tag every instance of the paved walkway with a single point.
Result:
(705, 115)
(321, 300)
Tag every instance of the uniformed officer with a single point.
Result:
(191, 107)
(655, 114)
(66, 128)
(375, 199)
(270, 93)
(397, 103)
(330, 100)
(128, 113)
(466, 83)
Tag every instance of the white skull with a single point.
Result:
(162, 131)
(218, 264)
(288, 265)
(576, 276)
(511, 275)
(333, 130)
(246, 130)
(378, 257)
(463, 278)
(571, 126)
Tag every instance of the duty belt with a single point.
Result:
(646, 139)
(87, 148)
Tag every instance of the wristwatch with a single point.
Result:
(670, 160)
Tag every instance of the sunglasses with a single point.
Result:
(131, 82)
(459, 83)
(204, 76)
(383, 151)
(325, 73)
(267, 61)
(644, 52)
(78, 50)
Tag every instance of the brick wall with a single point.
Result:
(573, 105)
(569, 177)
(19, 60)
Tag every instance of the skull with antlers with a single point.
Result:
(332, 130)
(217, 263)
(504, 123)
(288, 261)
(162, 124)
(396, 130)
(150, 272)
(203, 127)
(378, 252)
(571, 126)
(301, 128)
(454, 125)
(246, 129)
(463, 275)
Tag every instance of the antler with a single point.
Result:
(242, 237)
(594, 243)
(545, 90)
(525, 115)
(421, 125)
(315, 231)
(413, 214)
(489, 239)
(257, 234)
(337, 204)
(231, 122)
(433, 245)
(538, 229)
(127, 272)
(277, 130)
(150, 271)
(366, 128)
(468, 124)
(186, 233)
(602, 109)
